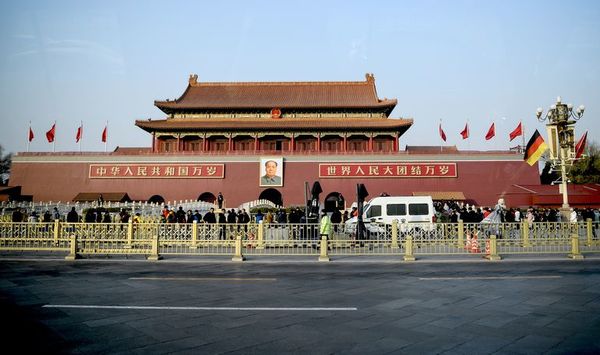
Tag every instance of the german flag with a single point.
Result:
(535, 148)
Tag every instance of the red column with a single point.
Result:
(370, 143)
(204, 143)
(230, 145)
(255, 143)
(178, 143)
(396, 142)
(153, 142)
(345, 149)
(292, 143)
(318, 142)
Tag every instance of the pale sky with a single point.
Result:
(481, 61)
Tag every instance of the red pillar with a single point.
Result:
(230, 145)
(292, 143)
(370, 143)
(255, 143)
(153, 142)
(345, 149)
(178, 143)
(396, 145)
(318, 142)
(204, 143)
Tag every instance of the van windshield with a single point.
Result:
(418, 209)
(374, 211)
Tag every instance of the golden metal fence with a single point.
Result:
(282, 239)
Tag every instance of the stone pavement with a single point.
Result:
(374, 306)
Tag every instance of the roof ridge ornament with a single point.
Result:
(370, 77)
(193, 80)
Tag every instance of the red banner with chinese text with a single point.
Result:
(392, 170)
(157, 171)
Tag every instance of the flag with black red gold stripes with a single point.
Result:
(535, 148)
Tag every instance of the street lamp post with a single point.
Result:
(561, 137)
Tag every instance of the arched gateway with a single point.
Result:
(207, 197)
(272, 195)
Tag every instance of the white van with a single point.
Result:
(410, 211)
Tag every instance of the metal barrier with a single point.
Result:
(406, 241)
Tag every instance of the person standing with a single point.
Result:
(220, 200)
(210, 217)
(336, 219)
(17, 215)
(325, 225)
(181, 218)
(124, 216)
(72, 216)
(231, 217)
(55, 213)
(197, 216)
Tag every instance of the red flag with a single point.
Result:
(516, 132)
(491, 132)
(79, 134)
(580, 146)
(30, 134)
(50, 134)
(104, 134)
(465, 132)
(442, 133)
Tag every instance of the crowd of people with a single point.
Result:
(452, 211)
(445, 212)
(170, 215)
(91, 215)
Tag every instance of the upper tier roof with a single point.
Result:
(284, 95)
(284, 124)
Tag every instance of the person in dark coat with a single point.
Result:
(231, 216)
(220, 200)
(90, 216)
(72, 216)
(197, 216)
(181, 215)
(210, 217)
(17, 215)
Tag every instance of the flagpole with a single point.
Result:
(440, 129)
(522, 136)
(54, 140)
(106, 128)
(28, 135)
(468, 135)
(81, 134)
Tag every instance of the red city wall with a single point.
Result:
(481, 182)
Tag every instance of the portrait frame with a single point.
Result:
(263, 179)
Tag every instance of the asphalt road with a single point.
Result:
(118, 306)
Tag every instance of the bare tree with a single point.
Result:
(5, 161)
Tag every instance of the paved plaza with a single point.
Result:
(355, 306)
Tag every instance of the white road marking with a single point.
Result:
(84, 306)
(490, 277)
(203, 278)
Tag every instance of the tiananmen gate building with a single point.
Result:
(264, 140)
